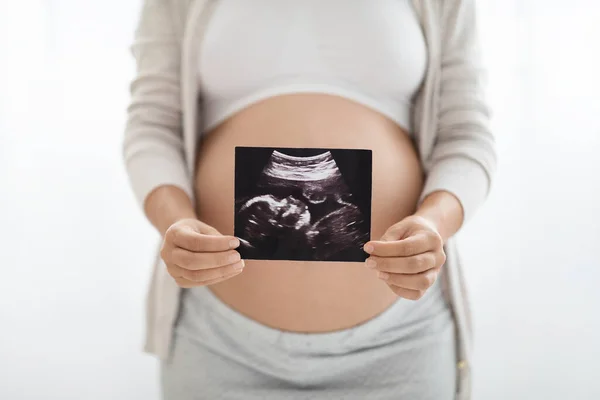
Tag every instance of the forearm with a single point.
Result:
(166, 205)
(444, 211)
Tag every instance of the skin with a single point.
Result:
(195, 253)
(406, 252)
(409, 256)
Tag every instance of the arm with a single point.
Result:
(463, 160)
(153, 144)
(167, 205)
(459, 172)
(444, 211)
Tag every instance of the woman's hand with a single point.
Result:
(408, 256)
(198, 255)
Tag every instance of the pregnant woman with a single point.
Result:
(399, 78)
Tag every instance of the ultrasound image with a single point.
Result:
(302, 204)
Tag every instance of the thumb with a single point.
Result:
(209, 230)
(201, 227)
(395, 232)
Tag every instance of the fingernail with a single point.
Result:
(369, 248)
(233, 243)
(234, 258)
(371, 263)
(240, 265)
(383, 275)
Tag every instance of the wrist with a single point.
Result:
(443, 211)
(167, 205)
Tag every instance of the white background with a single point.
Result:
(75, 250)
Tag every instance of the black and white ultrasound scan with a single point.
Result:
(303, 204)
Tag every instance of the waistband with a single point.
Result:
(203, 310)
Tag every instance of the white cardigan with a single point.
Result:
(450, 121)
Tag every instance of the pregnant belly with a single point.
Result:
(319, 288)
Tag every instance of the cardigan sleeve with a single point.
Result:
(463, 159)
(153, 144)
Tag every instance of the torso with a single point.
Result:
(309, 296)
(292, 54)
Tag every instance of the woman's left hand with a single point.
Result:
(408, 256)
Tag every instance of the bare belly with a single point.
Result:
(296, 295)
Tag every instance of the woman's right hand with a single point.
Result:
(196, 254)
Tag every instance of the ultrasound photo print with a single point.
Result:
(302, 204)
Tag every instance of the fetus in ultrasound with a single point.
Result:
(299, 206)
(271, 225)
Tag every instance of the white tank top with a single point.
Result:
(370, 52)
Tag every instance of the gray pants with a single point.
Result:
(407, 352)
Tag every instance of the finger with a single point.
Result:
(186, 283)
(175, 271)
(413, 245)
(407, 293)
(205, 275)
(212, 282)
(193, 261)
(403, 265)
(422, 281)
(189, 239)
